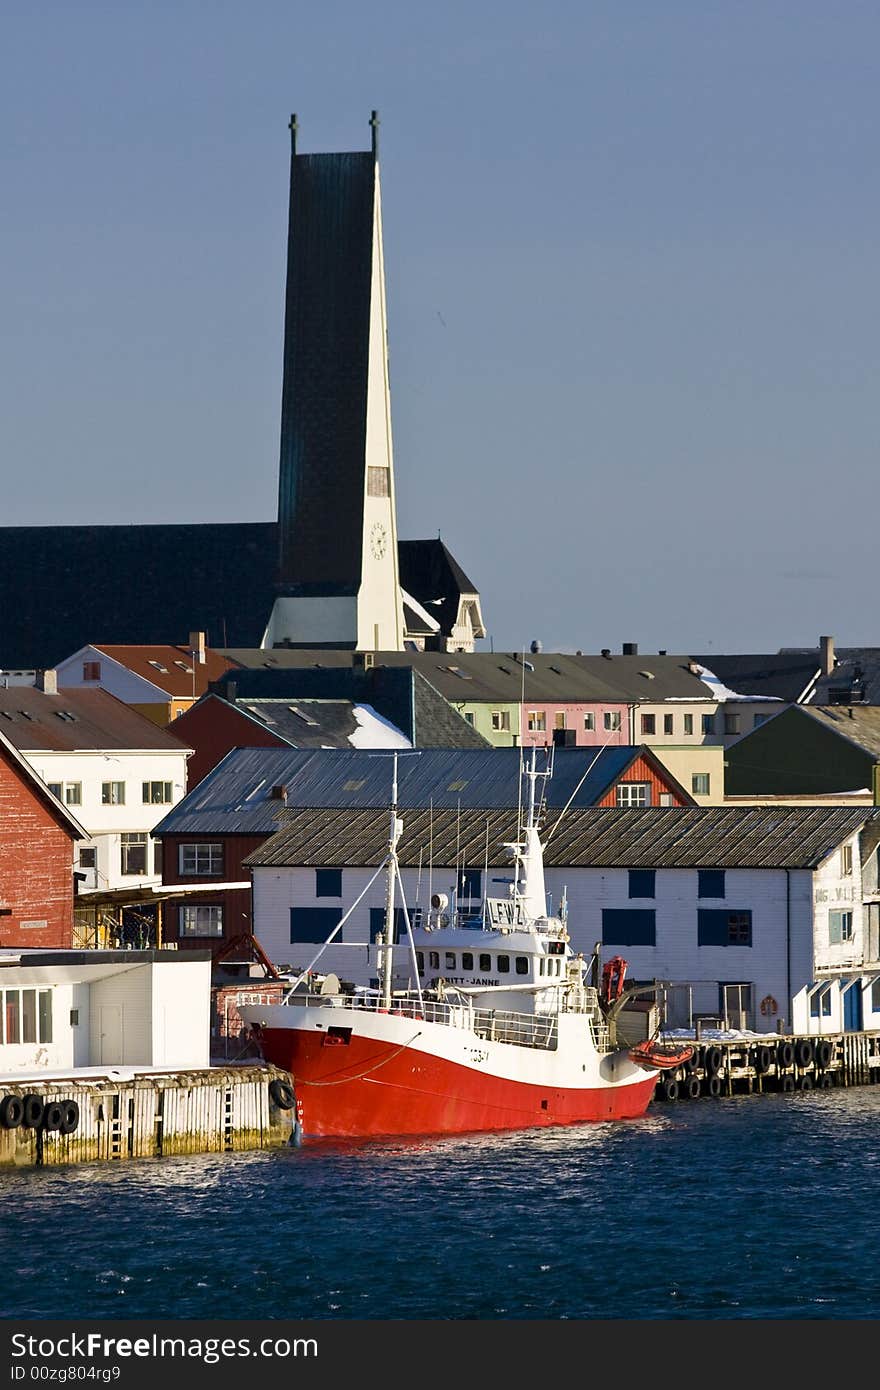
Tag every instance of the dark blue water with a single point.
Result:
(759, 1207)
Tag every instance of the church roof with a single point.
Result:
(434, 578)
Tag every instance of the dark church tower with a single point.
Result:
(338, 582)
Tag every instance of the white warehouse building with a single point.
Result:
(765, 918)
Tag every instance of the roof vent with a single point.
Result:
(606, 652)
(630, 649)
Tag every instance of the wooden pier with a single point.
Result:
(150, 1115)
(752, 1066)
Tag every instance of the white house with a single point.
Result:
(160, 681)
(117, 772)
(65, 1010)
(765, 917)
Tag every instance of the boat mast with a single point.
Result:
(395, 828)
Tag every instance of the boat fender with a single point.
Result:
(806, 1083)
(70, 1119)
(826, 1080)
(785, 1054)
(713, 1086)
(804, 1052)
(670, 1088)
(33, 1108)
(11, 1112)
(281, 1092)
(824, 1053)
(763, 1059)
(692, 1086)
(713, 1059)
(53, 1115)
(788, 1083)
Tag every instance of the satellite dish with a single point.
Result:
(330, 985)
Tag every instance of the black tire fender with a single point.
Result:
(692, 1086)
(669, 1088)
(53, 1115)
(713, 1086)
(804, 1051)
(33, 1108)
(785, 1054)
(824, 1053)
(787, 1083)
(713, 1060)
(11, 1112)
(805, 1083)
(70, 1119)
(281, 1093)
(763, 1059)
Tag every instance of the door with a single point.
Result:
(110, 1034)
(852, 1008)
(736, 1005)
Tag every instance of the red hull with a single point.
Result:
(409, 1092)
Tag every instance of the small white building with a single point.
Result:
(764, 917)
(114, 769)
(66, 1010)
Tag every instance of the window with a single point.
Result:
(840, 927)
(420, 962)
(875, 997)
(710, 883)
(112, 793)
(157, 793)
(25, 1015)
(700, 785)
(688, 723)
(666, 799)
(328, 883)
(820, 1003)
(649, 724)
(731, 723)
(157, 858)
(537, 720)
(667, 724)
(758, 719)
(629, 926)
(846, 859)
(467, 960)
(504, 965)
(641, 883)
(485, 961)
(449, 960)
(377, 482)
(88, 857)
(314, 923)
(708, 723)
(469, 717)
(57, 789)
(73, 793)
(200, 920)
(501, 719)
(433, 958)
(134, 854)
(611, 721)
(559, 720)
(633, 794)
(589, 723)
(91, 670)
(200, 859)
(522, 965)
(719, 927)
(470, 883)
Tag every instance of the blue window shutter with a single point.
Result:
(312, 923)
(629, 926)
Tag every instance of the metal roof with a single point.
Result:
(236, 797)
(591, 837)
(858, 723)
(75, 719)
(780, 675)
(171, 668)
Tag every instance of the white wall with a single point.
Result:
(181, 1013)
(120, 1019)
(61, 1052)
(116, 678)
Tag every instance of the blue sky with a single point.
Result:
(633, 300)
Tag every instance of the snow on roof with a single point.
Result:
(723, 692)
(375, 732)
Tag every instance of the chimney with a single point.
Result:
(630, 649)
(826, 648)
(279, 793)
(197, 646)
(47, 681)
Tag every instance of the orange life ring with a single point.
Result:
(769, 1005)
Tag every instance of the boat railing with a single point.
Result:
(526, 1030)
(495, 1025)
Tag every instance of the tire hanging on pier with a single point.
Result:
(669, 1088)
(70, 1118)
(692, 1087)
(32, 1117)
(824, 1053)
(785, 1054)
(281, 1092)
(11, 1112)
(804, 1051)
(53, 1115)
(713, 1060)
(763, 1059)
(713, 1086)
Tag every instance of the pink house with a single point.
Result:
(594, 723)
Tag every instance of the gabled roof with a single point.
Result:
(859, 724)
(856, 675)
(171, 668)
(435, 579)
(775, 676)
(27, 774)
(77, 720)
(236, 797)
(687, 837)
(317, 723)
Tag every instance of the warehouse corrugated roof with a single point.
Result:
(594, 837)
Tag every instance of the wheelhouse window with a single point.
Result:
(434, 960)
(201, 858)
(485, 961)
(708, 723)
(688, 722)
(201, 919)
(504, 965)
(668, 726)
(467, 960)
(449, 960)
(731, 723)
(522, 965)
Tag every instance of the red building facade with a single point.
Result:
(36, 859)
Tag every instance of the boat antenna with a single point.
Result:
(486, 875)
(430, 850)
(395, 830)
